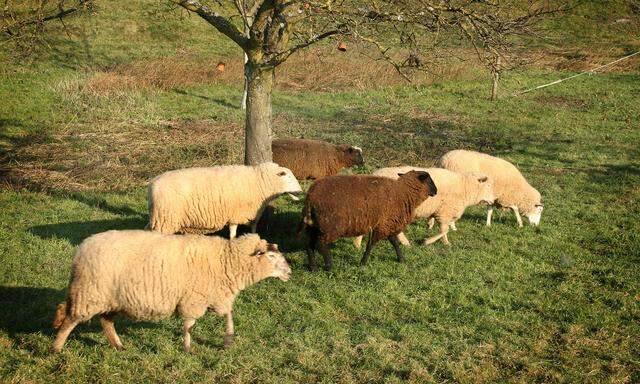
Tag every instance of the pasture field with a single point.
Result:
(560, 303)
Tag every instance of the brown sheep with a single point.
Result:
(354, 205)
(314, 159)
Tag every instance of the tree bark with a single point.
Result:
(243, 103)
(257, 140)
(494, 86)
(496, 79)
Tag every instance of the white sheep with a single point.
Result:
(456, 191)
(149, 276)
(208, 199)
(511, 188)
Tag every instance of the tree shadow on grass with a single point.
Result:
(208, 98)
(77, 231)
(28, 309)
(280, 227)
(100, 203)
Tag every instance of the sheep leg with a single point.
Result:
(233, 229)
(396, 245)
(444, 228)
(357, 242)
(110, 331)
(403, 239)
(325, 251)
(432, 222)
(229, 335)
(254, 225)
(65, 329)
(187, 324)
(313, 235)
(489, 214)
(518, 218)
(367, 251)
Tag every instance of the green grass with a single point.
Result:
(501, 304)
(558, 304)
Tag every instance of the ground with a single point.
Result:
(560, 303)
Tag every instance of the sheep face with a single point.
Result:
(485, 190)
(424, 181)
(352, 155)
(274, 263)
(288, 182)
(535, 215)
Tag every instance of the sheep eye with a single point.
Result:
(282, 173)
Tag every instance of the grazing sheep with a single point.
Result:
(456, 191)
(314, 159)
(354, 205)
(208, 199)
(149, 276)
(511, 188)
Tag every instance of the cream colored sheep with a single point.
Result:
(208, 199)
(511, 188)
(455, 193)
(149, 276)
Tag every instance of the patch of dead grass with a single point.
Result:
(117, 158)
(317, 70)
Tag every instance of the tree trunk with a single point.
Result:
(496, 79)
(243, 103)
(257, 135)
(494, 87)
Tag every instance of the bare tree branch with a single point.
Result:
(221, 23)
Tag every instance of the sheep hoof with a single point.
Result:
(228, 341)
(313, 267)
(55, 350)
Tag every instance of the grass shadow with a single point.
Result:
(102, 204)
(76, 231)
(208, 98)
(28, 309)
(280, 227)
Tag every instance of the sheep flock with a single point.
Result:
(173, 268)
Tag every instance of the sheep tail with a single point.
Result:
(306, 219)
(61, 314)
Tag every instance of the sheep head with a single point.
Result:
(352, 155)
(272, 263)
(284, 180)
(422, 180)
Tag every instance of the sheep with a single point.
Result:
(353, 205)
(511, 188)
(456, 191)
(149, 276)
(208, 199)
(314, 159)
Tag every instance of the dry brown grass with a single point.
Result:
(117, 158)
(319, 70)
(322, 69)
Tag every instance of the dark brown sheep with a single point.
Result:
(314, 159)
(354, 205)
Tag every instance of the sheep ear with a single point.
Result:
(423, 176)
(272, 247)
(483, 179)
